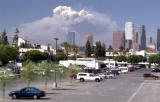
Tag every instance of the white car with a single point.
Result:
(88, 77)
(123, 69)
(109, 76)
(103, 76)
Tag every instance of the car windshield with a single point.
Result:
(29, 89)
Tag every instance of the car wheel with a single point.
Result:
(110, 77)
(81, 80)
(14, 96)
(101, 79)
(97, 80)
(156, 78)
(35, 97)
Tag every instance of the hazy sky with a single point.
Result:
(15, 13)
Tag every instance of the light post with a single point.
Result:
(55, 79)
(49, 54)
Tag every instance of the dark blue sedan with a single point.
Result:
(27, 92)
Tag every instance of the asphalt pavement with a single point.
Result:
(129, 87)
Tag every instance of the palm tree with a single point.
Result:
(74, 69)
(66, 48)
(110, 49)
(46, 70)
(28, 72)
(121, 50)
(75, 49)
(62, 73)
(6, 76)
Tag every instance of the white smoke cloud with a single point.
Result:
(64, 20)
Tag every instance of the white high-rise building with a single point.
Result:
(129, 31)
(129, 35)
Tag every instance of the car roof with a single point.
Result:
(30, 87)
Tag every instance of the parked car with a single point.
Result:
(151, 76)
(103, 76)
(109, 75)
(88, 77)
(155, 70)
(131, 69)
(27, 92)
(114, 71)
(123, 69)
(74, 76)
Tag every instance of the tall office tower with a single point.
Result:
(136, 37)
(158, 39)
(90, 38)
(142, 37)
(118, 40)
(136, 47)
(148, 40)
(71, 38)
(129, 34)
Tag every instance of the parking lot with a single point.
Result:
(129, 87)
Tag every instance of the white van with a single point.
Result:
(123, 69)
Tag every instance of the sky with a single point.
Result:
(36, 18)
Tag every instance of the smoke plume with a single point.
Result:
(64, 20)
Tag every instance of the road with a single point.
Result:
(125, 88)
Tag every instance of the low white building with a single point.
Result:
(42, 48)
(88, 62)
(21, 41)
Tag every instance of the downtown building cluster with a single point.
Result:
(71, 38)
(132, 39)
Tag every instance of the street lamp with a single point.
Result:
(49, 54)
(55, 79)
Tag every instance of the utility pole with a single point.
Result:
(55, 79)
(49, 54)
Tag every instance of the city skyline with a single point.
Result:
(113, 11)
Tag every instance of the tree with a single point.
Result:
(120, 58)
(0, 39)
(88, 49)
(8, 53)
(141, 58)
(66, 48)
(103, 50)
(135, 59)
(99, 50)
(60, 56)
(61, 73)
(154, 59)
(110, 49)
(25, 45)
(4, 38)
(6, 76)
(29, 72)
(15, 39)
(45, 70)
(121, 50)
(72, 70)
(34, 55)
(75, 49)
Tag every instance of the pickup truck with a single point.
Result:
(88, 77)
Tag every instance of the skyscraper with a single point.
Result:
(142, 37)
(129, 34)
(71, 38)
(148, 39)
(90, 38)
(118, 39)
(158, 39)
(136, 37)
